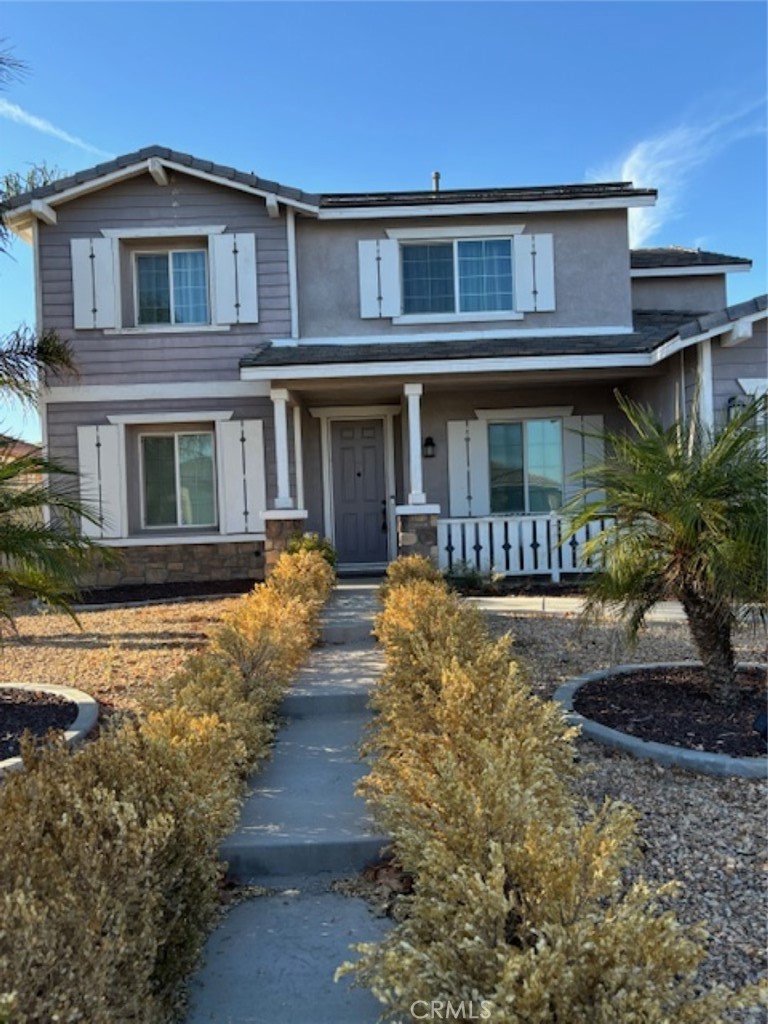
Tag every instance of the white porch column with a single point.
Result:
(413, 393)
(279, 398)
(706, 386)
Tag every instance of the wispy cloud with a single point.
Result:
(12, 112)
(667, 161)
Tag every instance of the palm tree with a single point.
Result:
(688, 512)
(42, 549)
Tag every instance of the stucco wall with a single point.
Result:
(690, 294)
(591, 273)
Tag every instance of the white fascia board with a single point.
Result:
(239, 186)
(513, 332)
(494, 364)
(699, 271)
(153, 392)
(431, 367)
(473, 209)
(143, 167)
(42, 211)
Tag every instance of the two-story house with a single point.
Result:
(397, 371)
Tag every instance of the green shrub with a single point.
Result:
(408, 569)
(306, 576)
(266, 637)
(109, 855)
(313, 542)
(519, 902)
(110, 869)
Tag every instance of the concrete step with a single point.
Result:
(335, 681)
(302, 815)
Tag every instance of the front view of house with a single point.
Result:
(398, 371)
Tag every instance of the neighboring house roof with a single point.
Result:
(675, 260)
(652, 330)
(14, 448)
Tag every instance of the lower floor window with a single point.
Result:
(178, 478)
(526, 466)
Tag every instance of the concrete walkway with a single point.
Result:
(273, 957)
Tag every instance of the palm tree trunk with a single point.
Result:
(711, 628)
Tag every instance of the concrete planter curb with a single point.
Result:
(87, 716)
(700, 761)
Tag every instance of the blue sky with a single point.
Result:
(355, 96)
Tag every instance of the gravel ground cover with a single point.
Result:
(709, 834)
(117, 656)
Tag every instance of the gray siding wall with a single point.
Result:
(592, 284)
(689, 294)
(64, 419)
(748, 359)
(104, 358)
(437, 409)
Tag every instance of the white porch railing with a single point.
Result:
(514, 545)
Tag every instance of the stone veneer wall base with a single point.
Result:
(180, 563)
(417, 534)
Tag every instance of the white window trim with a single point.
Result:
(194, 230)
(169, 329)
(175, 434)
(451, 236)
(171, 417)
(541, 412)
(169, 253)
(443, 234)
(524, 420)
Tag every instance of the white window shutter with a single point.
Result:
(580, 451)
(243, 480)
(379, 262)
(468, 469)
(534, 264)
(93, 283)
(234, 286)
(102, 479)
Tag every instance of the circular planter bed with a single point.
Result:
(663, 713)
(35, 708)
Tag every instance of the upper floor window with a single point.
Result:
(171, 287)
(164, 279)
(462, 276)
(415, 276)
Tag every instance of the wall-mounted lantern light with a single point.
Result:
(429, 448)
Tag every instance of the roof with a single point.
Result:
(651, 330)
(92, 174)
(618, 192)
(522, 194)
(675, 256)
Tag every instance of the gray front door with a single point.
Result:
(359, 491)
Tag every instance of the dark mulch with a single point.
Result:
(675, 708)
(31, 710)
(162, 591)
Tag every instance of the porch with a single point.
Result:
(470, 476)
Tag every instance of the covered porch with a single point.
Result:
(469, 470)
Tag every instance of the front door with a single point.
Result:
(359, 491)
